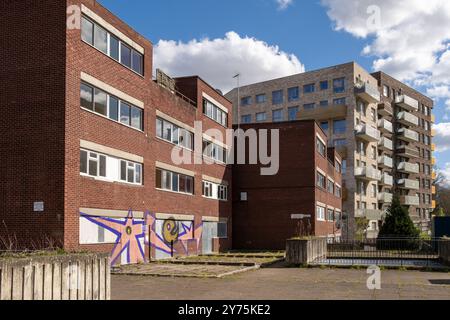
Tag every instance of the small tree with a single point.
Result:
(398, 223)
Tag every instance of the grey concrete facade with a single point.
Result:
(359, 123)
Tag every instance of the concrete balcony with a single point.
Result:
(434, 175)
(385, 162)
(367, 92)
(385, 126)
(385, 197)
(324, 113)
(367, 133)
(408, 184)
(433, 189)
(407, 152)
(407, 167)
(433, 118)
(433, 147)
(433, 161)
(406, 102)
(368, 173)
(385, 109)
(385, 144)
(407, 119)
(369, 214)
(386, 180)
(433, 132)
(433, 204)
(409, 200)
(407, 135)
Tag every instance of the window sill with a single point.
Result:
(114, 121)
(173, 144)
(175, 192)
(111, 58)
(99, 179)
(214, 199)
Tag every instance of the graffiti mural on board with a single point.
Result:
(170, 237)
(130, 235)
(165, 238)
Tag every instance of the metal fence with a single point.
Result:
(386, 251)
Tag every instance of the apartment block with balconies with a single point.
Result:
(377, 137)
(343, 99)
(413, 149)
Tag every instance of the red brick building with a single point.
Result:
(267, 210)
(87, 136)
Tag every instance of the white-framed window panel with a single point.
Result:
(320, 213)
(215, 191)
(108, 168)
(130, 172)
(96, 36)
(109, 106)
(172, 133)
(92, 164)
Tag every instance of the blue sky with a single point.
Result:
(318, 33)
(303, 29)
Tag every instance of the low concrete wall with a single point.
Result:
(59, 277)
(304, 251)
(444, 251)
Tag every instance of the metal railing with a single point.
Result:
(385, 251)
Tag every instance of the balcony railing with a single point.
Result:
(385, 109)
(433, 147)
(406, 102)
(385, 162)
(367, 133)
(385, 144)
(408, 167)
(408, 184)
(385, 197)
(367, 92)
(433, 189)
(407, 152)
(369, 214)
(410, 200)
(386, 180)
(385, 126)
(407, 135)
(368, 173)
(408, 119)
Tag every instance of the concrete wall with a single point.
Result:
(444, 250)
(63, 277)
(305, 251)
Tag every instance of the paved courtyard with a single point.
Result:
(286, 283)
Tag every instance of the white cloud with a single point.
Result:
(411, 39)
(283, 4)
(445, 174)
(218, 60)
(442, 139)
